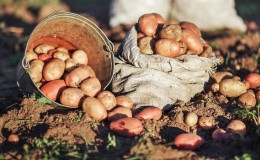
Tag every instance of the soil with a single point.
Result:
(41, 126)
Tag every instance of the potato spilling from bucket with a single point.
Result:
(170, 40)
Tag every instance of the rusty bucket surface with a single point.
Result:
(82, 34)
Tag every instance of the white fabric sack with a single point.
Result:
(128, 11)
(208, 15)
(154, 80)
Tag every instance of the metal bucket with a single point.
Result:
(81, 33)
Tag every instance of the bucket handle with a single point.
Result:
(25, 64)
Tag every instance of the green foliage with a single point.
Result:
(245, 156)
(111, 142)
(42, 100)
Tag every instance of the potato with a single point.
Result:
(124, 101)
(220, 135)
(232, 88)
(118, 113)
(72, 97)
(44, 57)
(168, 48)
(91, 71)
(30, 55)
(91, 86)
(148, 24)
(188, 141)
(218, 76)
(53, 89)
(80, 57)
(160, 20)
(62, 49)
(248, 99)
(70, 64)
(76, 76)
(206, 123)
(172, 31)
(186, 33)
(13, 138)
(207, 51)
(257, 95)
(108, 99)
(215, 87)
(36, 68)
(54, 69)
(183, 48)
(236, 126)
(192, 27)
(146, 45)
(127, 127)
(253, 79)
(43, 48)
(140, 35)
(191, 119)
(51, 52)
(194, 44)
(61, 55)
(149, 113)
(94, 108)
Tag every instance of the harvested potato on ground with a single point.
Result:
(215, 87)
(70, 64)
(36, 69)
(191, 119)
(232, 88)
(76, 76)
(118, 113)
(253, 79)
(160, 20)
(148, 24)
(188, 141)
(248, 99)
(80, 57)
(13, 138)
(218, 76)
(220, 135)
(54, 69)
(149, 113)
(206, 123)
(172, 31)
(72, 97)
(91, 86)
(146, 45)
(53, 89)
(30, 55)
(44, 57)
(94, 108)
(43, 48)
(124, 101)
(108, 99)
(191, 26)
(257, 95)
(236, 126)
(168, 48)
(61, 55)
(127, 127)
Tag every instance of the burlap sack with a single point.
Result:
(153, 80)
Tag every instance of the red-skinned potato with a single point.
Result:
(43, 48)
(192, 27)
(36, 69)
(91, 86)
(72, 97)
(44, 57)
(236, 126)
(61, 55)
(149, 113)
(94, 108)
(118, 113)
(253, 79)
(13, 139)
(172, 31)
(108, 99)
(168, 48)
(30, 55)
(159, 19)
(54, 69)
(188, 141)
(146, 45)
(206, 123)
(194, 44)
(76, 76)
(127, 127)
(53, 89)
(80, 57)
(148, 24)
(124, 101)
(220, 135)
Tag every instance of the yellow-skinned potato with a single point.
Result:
(36, 69)
(91, 86)
(124, 101)
(148, 24)
(80, 57)
(70, 64)
(146, 45)
(43, 48)
(172, 31)
(62, 49)
(94, 108)
(218, 76)
(236, 126)
(30, 55)
(76, 76)
(53, 69)
(108, 99)
(119, 112)
(248, 99)
(72, 97)
(232, 88)
(61, 55)
(168, 48)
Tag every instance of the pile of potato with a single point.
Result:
(172, 40)
(232, 86)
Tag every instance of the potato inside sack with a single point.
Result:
(146, 45)
(148, 24)
(172, 31)
(159, 19)
(168, 48)
(191, 26)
